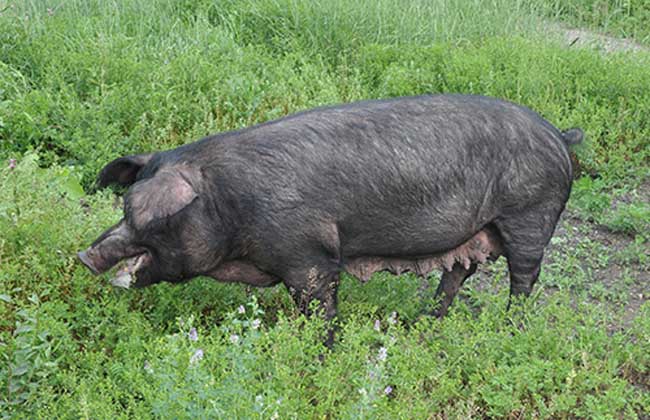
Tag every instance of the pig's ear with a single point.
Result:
(162, 196)
(122, 171)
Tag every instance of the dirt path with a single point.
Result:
(585, 38)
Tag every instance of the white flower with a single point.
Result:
(383, 353)
(241, 309)
(196, 357)
(234, 339)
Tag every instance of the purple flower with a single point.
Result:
(377, 325)
(241, 309)
(383, 353)
(196, 357)
(234, 339)
(12, 163)
(193, 335)
(388, 390)
(255, 324)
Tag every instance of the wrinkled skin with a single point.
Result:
(407, 184)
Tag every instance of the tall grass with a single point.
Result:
(325, 24)
(333, 26)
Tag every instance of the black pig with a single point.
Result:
(406, 184)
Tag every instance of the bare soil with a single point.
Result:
(591, 39)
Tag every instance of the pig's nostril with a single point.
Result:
(83, 257)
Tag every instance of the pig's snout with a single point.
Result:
(98, 261)
(87, 261)
(110, 248)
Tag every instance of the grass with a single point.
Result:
(82, 82)
(87, 81)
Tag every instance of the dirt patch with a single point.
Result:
(589, 39)
(618, 281)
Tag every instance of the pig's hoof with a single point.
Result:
(438, 313)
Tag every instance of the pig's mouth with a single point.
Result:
(129, 271)
(132, 271)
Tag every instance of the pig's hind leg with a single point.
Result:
(525, 236)
(450, 284)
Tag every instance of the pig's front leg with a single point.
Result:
(316, 283)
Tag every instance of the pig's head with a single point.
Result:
(168, 232)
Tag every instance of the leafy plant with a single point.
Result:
(27, 360)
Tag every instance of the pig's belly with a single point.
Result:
(484, 245)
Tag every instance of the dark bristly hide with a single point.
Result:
(406, 184)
